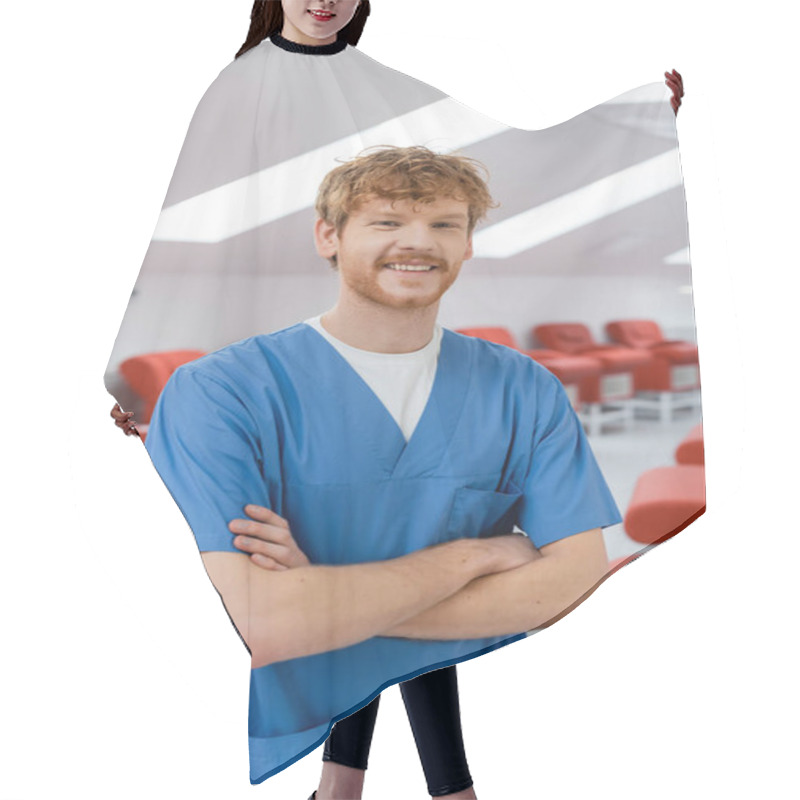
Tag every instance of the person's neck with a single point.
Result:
(297, 36)
(369, 326)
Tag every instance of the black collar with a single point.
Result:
(308, 49)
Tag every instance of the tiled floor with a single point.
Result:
(623, 455)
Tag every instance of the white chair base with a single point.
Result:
(594, 416)
(663, 405)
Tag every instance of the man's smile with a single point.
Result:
(410, 267)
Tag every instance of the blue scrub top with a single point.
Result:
(282, 420)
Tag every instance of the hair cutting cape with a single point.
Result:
(574, 317)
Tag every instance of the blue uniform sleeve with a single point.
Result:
(564, 492)
(205, 445)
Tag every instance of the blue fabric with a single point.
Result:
(282, 420)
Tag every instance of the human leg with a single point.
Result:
(346, 754)
(433, 710)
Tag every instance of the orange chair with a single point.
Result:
(497, 335)
(692, 450)
(644, 334)
(148, 374)
(671, 380)
(674, 367)
(576, 339)
(665, 500)
(570, 370)
(609, 396)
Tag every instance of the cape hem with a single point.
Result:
(441, 665)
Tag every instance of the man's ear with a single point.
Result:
(470, 250)
(326, 238)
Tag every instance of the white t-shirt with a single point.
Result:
(401, 381)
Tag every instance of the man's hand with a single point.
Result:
(285, 613)
(124, 420)
(267, 539)
(533, 596)
(675, 82)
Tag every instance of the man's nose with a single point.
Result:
(416, 237)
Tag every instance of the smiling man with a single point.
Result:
(389, 461)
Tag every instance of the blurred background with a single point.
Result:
(584, 264)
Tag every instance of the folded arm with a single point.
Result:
(524, 597)
(519, 600)
(314, 609)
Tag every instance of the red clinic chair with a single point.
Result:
(148, 374)
(692, 450)
(492, 334)
(645, 334)
(665, 500)
(670, 380)
(570, 370)
(610, 393)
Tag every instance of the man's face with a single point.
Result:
(401, 255)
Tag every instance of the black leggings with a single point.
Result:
(431, 702)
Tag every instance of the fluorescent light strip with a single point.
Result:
(678, 257)
(275, 192)
(583, 206)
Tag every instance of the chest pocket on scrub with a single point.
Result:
(478, 512)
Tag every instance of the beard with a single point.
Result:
(419, 292)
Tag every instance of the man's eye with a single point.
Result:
(445, 225)
(386, 222)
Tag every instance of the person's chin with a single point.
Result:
(415, 301)
(312, 33)
(428, 289)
